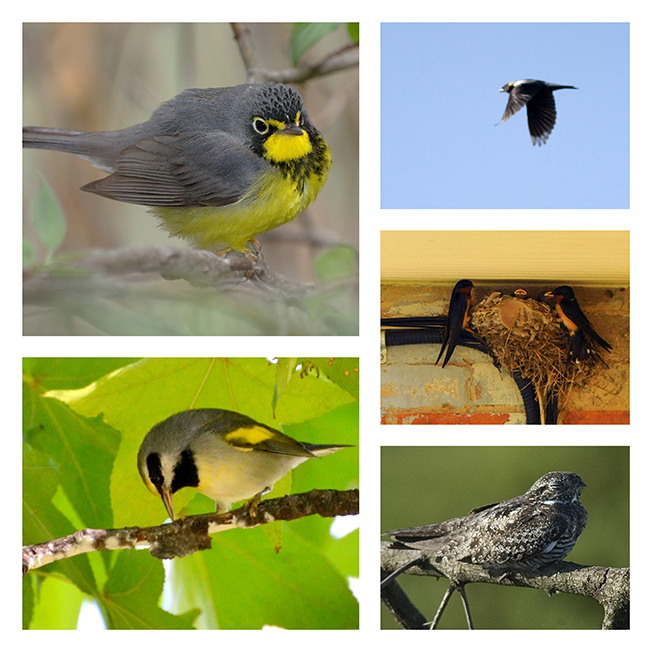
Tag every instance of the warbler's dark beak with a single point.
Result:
(291, 129)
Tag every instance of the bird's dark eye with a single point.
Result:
(154, 470)
(260, 126)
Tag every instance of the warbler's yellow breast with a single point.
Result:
(277, 197)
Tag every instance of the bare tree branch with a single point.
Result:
(200, 268)
(342, 59)
(245, 43)
(191, 534)
(346, 57)
(609, 586)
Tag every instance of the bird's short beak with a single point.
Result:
(291, 129)
(169, 504)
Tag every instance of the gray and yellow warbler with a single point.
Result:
(217, 166)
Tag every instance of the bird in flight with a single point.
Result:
(537, 97)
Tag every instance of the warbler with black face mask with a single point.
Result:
(225, 455)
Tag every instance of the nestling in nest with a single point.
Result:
(525, 335)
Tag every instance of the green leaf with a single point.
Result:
(82, 449)
(48, 218)
(284, 370)
(132, 595)
(29, 588)
(139, 395)
(297, 588)
(66, 372)
(58, 606)
(343, 371)
(353, 31)
(29, 255)
(306, 35)
(42, 522)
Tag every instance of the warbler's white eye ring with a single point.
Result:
(261, 126)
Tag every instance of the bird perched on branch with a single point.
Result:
(223, 454)
(530, 531)
(217, 166)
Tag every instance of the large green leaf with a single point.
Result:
(242, 583)
(82, 449)
(131, 599)
(305, 35)
(41, 523)
(58, 605)
(69, 372)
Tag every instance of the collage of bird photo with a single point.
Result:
(215, 212)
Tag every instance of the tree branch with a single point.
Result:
(191, 534)
(609, 586)
(200, 268)
(345, 57)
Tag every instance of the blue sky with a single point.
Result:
(440, 147)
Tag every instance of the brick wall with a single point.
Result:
(470, 390)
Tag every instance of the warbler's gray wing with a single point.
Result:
(186, 169)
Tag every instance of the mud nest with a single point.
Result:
(524, 335)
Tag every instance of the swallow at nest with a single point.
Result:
(457, 318)
(538, 98)
(573, 318)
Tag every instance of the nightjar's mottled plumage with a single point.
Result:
(530, 531)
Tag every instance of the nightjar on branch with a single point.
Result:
(527, 532)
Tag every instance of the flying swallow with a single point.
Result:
(568, 309)
(537, 97)
(457, 318)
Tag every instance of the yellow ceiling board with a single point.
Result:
(567, 256)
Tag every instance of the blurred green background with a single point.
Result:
(426, 485)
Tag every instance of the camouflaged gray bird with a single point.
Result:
(530, 531)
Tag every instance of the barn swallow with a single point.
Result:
(457, 318)
(521, 293)
(568, 309)
(538, 98)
